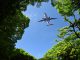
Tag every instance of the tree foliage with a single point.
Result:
(11, 30)
(66, 7)
(69, 8)
(12, 25)
(67, 49)
(9, 7)
(20, 54)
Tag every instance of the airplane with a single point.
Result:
(47, 19)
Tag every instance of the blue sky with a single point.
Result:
(39, 38)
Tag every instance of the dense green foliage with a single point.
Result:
(69, 8)
(66, 7)
(12, 25)
(11, 30)
(65, 50)
(20, 54)
(9, 7)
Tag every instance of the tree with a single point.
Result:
(11, 30)
(67, 49)
(12, 24)
(66, 7)
(20, 54)
(9, 7)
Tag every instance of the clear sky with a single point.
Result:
(39, 38)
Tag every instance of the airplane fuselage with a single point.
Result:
(47, 19)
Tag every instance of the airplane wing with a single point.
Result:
(45, 15)
(52, 18)
(41, 20)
